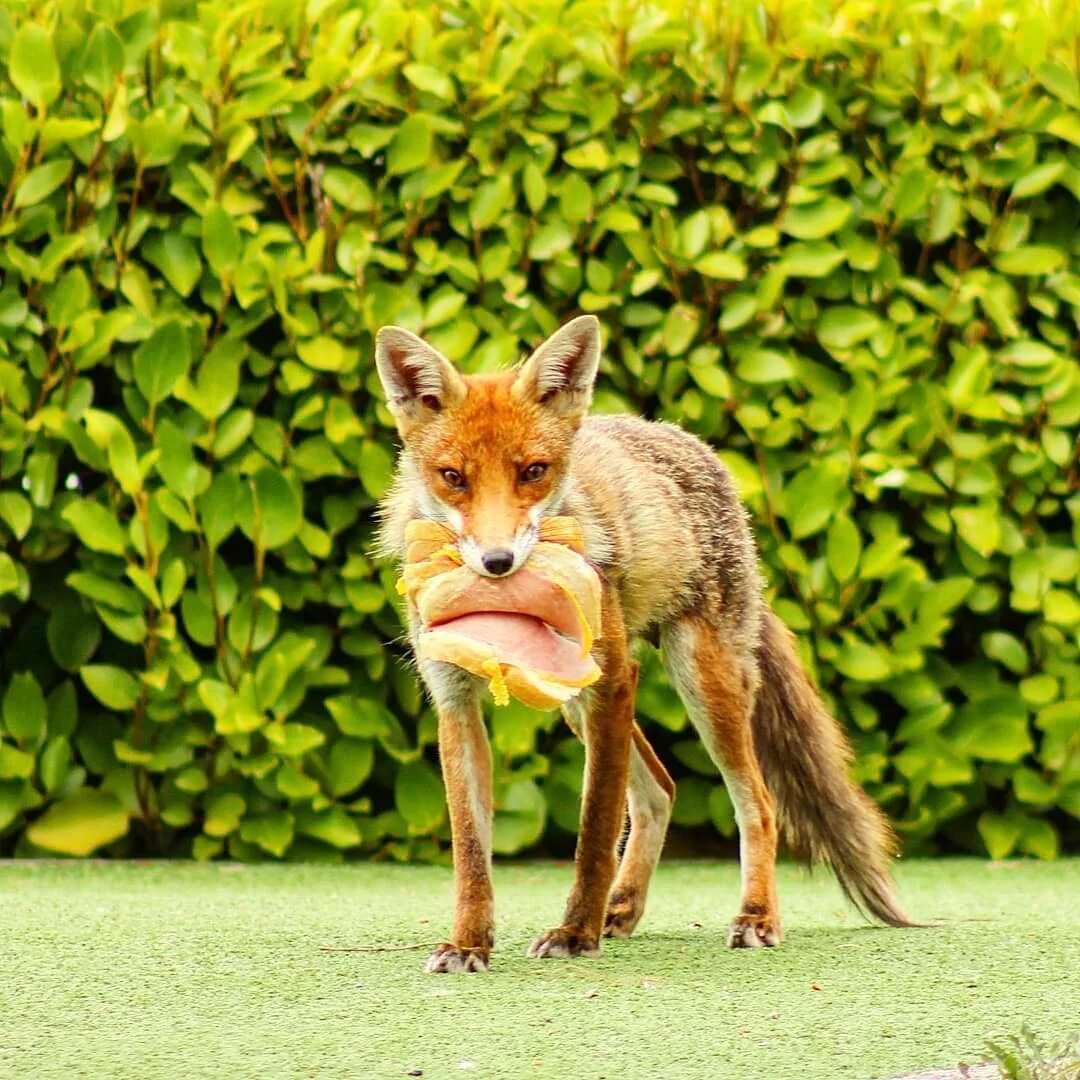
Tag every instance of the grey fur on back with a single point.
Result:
(666, 503)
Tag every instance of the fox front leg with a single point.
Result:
(465, 756)
(608, 721)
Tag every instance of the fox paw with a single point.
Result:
(624, 912)
(755, 932)
(453, 959)
(564, 941)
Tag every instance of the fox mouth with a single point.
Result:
(529, 633)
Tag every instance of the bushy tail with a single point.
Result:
(823, 815)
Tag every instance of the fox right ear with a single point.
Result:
(419, 381)
(561, 373)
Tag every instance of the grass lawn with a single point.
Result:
(181, 970)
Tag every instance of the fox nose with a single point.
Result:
(498, 561)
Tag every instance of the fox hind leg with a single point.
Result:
(717, 685)
(650, 794)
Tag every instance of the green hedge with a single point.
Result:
(841, 245)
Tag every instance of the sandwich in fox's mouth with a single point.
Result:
(530, 634)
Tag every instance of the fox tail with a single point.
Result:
(821, 812)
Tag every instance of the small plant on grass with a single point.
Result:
(1027, 1056)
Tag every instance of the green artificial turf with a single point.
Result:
(181, 970)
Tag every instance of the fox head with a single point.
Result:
(489, 455)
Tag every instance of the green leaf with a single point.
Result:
(551, 239)
(277, 509)
(419, 797)
(16, 512)
(175, 463)
(323, 354)
(376, 467)
(348, 189)
(272, 832)
(1033, 259)
(912, 192)
(176, 256)
(805, 106)
(411, 146)
(96, 526)
(1028, 353)
(41, 182)
(294, 740)
(722, 811)
(1061, 607)
(223, 812)
(863, 662)
(333, 827)
(993, 729)
(55, 763)
(80, 824)
(358, 716)
(844, 326)
(32, 65)
(24, 709)
(519, 818)
(1039, 838)
(816, 220)
(220, 241)
(1006, 649)
(73, 635)
(9, 574)
(843, 546)
(725, 265)
(1038, 179)
(759, 366)
(113, 433)
(492, 198)
(219, 507)
(692, 801)
(1000, 833)
(812, 497)
(112, 686)
(294, 784)
(102, 59)
(812, 260)
(351, 762)
(1067, 127)
(430, 79)
(979, 526)
(161, 360)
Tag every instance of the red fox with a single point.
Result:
(491, 456)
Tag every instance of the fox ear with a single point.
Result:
(561, 373)
(419, 381)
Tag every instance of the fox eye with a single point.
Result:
(534, 472)
(453, 479)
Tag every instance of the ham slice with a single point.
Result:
(530, 634)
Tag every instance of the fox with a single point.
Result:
(491, 456)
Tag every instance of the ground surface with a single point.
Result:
(177, 970)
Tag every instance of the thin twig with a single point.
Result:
(378, 948)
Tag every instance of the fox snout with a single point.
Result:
(498, 561)
(497, 558)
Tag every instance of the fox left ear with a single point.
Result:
(561, 373)
(419, 381)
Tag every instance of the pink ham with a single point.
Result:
(525, 642)
(524, 592)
